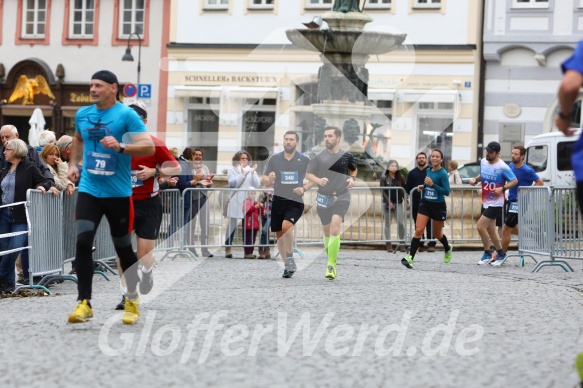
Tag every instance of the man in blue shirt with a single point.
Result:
(526, 177)
(101, 131)
(569, 93)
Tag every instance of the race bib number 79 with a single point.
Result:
(101, 164)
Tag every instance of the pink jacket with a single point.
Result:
(251, 215)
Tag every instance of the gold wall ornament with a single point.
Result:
(26, 88)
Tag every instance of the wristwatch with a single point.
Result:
(122, 148)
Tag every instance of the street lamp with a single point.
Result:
(128, 55)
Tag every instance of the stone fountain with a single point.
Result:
(343, 78)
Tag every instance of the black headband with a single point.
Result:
(105, 76)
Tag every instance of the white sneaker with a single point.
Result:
(486, 258)
(499, 260)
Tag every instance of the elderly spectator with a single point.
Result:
(64, 143)
(454, 174)
(241, 176)
(45, 137)
(51, 156)
(9, 132)
(15, 180)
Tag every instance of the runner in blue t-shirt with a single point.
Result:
(496, 178)
(101, 131)
(526, 176)
(567, 95)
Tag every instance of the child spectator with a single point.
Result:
(251, 210)
(265, 200)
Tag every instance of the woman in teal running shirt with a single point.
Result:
(432, 207)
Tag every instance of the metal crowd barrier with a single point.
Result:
(364, 223)
(45, 221)
(172, 230)
(217, 225)
(549, 225)
(27, 245)
(464, 205)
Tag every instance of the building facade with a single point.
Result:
(50, 48)
(235, 81)
(525, 42)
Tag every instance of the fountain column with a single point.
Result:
(343, 78)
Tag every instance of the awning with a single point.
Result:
(251, 92)
(25, 110)
(427, 96)
(381, 94)
(198, 91)
(227, 91)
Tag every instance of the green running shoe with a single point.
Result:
(447, 256)
(330, 272)
(579, 365)
(407, 261)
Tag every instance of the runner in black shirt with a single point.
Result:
(286, 170)
(330, 171)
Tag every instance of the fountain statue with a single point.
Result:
(346, 6)
(345, 49)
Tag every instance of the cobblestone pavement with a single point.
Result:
(236, 322)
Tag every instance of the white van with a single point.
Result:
(549, 155)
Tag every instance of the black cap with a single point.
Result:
(105, 76)
(493, 146)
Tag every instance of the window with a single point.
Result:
(435, 127)
(372, 4)
(258, 127)
(261, 4)
(536, 157)
(531, 3)
(319, 4)
(564, 151)
(82, 19)
(435, 132)
(132, 17)
(34, 18)
(427, 4)
(216, 4)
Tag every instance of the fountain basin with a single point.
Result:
(355, 42)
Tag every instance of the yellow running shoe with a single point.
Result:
(131, 313)
(331, 272)
(81, 313)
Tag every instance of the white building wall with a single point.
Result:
(196, 26)
(523, 49)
